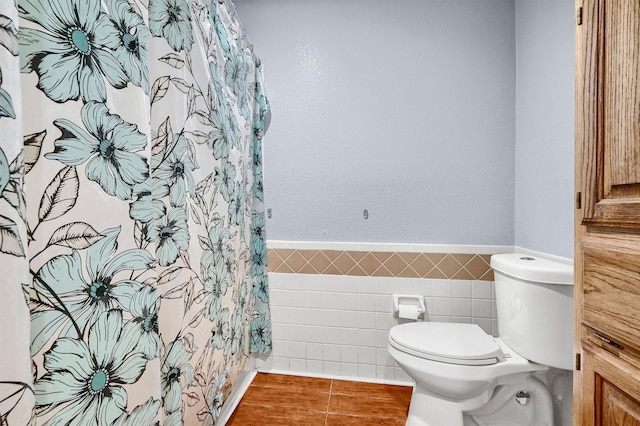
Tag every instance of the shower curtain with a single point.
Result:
(132, 234)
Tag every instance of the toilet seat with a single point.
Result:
(453, 343)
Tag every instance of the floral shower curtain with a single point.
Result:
(132, 240)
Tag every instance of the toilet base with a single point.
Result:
(427, 410)
(504, 410)
(495, 406)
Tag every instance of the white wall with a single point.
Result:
(403, 108)
(545, 125)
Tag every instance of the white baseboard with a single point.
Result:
(334, 377)
(243, 383)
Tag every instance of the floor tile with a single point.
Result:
(287, 381)
(367, 407)
(252, 415)
(343, 420)
(283, 400)
(300, 398)
(374, 390)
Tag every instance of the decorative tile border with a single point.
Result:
(459, 266)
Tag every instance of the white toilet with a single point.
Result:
(466, 377)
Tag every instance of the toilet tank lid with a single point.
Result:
(532, 268)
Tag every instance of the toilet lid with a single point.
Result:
(465, 344)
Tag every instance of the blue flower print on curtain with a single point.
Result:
(171, 19)
(81, 300)
(214, 127)
(85, 378)
(177, 373)
(176, 170)
(133, 225)
(73, 53)
(110, 148)
(132, 50)
(16, 383)
(171, 236)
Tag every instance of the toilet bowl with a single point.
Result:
(459, 370)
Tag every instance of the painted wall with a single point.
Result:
(545, 125)
(406, 109)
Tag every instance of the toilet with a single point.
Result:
(464, 376)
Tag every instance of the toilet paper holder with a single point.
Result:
(411, 299)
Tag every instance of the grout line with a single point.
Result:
(326, 417)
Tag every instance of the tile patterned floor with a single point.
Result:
(276, 399)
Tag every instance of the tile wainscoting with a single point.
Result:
(332, 307)
(456, 266)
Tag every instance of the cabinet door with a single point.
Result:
(609, 97)
(615, 387)
(607, 238)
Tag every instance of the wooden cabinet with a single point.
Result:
(615, 386)
(607, 237)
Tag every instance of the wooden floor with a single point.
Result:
(276, 399)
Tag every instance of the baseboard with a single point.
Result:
(333, 377)
(244, 381)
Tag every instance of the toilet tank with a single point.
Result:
(534, 297)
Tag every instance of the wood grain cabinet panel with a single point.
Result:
(607, 216)
(615, 386)
(611, 64)
(611, 287)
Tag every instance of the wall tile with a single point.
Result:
(315, 334)
(332, 353)
(298, 350)
(315, 351)
(384, 321)
(461, 288)
(367, 355)
(441, 318)
(332, 368)
(332, 318)
(384, 303)
(481, 289)
(349, 301)
(383, 357)
(349, 319)
(281, 348)
(401, 375)
(366, 302)
(315, 367)
(482, 308)
(367, 320)
(461, 307)
(349, 354)
(458, 262)
(348, 370)
(298, 365)
(366, 338)
(441, 288)
(442, 306)
(281, 363)
(385, 373)
(382, 338)
(367, 371)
